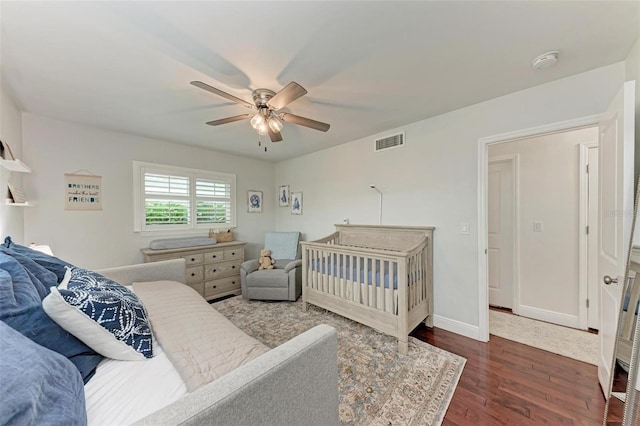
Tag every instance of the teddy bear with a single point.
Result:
(266, 262)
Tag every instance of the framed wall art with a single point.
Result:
(296, 203)
(254, 201)
(283, 196)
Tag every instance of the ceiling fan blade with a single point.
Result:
(223, 94)
(286, 95)
(275, 136)
(307, 122)
(229, 119)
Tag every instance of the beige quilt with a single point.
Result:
(201, 343)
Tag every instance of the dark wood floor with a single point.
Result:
(508, 383)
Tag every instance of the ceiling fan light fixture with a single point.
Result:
(257, 121)
(275, 124)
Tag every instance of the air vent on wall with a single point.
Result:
(394, 141)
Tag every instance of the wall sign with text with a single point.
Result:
(83, 192)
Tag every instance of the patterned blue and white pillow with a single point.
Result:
(105, 315)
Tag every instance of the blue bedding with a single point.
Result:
(345, 270)
(49, 392)
(21, 309)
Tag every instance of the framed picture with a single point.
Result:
(296, 203)
(283, 196)
(254, 201)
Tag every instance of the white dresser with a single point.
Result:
(213, 271)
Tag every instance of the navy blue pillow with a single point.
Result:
(21, 309)
(51, 263)
(45, 390)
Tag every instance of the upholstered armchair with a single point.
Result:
(284, 281)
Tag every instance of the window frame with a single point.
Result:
(139, 197)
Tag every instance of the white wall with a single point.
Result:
(11, 217)
(549, 190)
(433, 180)
(632, 72)
(98, 239)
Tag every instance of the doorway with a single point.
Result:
(534, 238)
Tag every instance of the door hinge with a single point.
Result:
(587, 230)
(587, 303)
(485, 251)
(587, 168)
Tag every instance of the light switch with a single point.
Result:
(464, 228)
(538, 226)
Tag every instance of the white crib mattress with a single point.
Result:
(122, 392)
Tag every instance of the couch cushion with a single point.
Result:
(39, 386)
(21, 309)
(105, 315)
(268, 278)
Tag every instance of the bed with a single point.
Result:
(379, 276)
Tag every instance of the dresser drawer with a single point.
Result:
(235, 253)
(223, 285)
(214, 256)
(195, 274)
(222, 269)
(194, 259)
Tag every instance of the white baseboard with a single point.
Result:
(549, 316)
(458, 327)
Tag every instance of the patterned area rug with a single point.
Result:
(565, 341)
(377, 385)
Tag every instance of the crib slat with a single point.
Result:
(358, 274)
(374, 275)
(385, 269)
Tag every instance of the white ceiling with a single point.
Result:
(368, 66)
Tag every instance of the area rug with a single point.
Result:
(565, 341)
(377, 385)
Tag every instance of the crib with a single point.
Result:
(379, 276)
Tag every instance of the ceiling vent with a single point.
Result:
(393, 141)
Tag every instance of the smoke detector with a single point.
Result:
(545, 60)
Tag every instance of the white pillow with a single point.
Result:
(103, 314)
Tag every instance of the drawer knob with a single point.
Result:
(214, 256)
(215, 270)
(193, 274)
(193, 259)
(215, 286)
(233, 267)
(233, 253)
(233, 282)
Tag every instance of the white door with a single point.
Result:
(615, 198)
(593, 278)
(500, 207)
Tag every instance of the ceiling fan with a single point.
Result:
(267, 118)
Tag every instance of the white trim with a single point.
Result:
(583, 246)
(458, 327)
(483, 143)
(193, 175)
(549, 316)
(514, 159)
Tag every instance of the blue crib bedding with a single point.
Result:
(345, 270)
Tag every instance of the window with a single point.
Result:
(176, 198)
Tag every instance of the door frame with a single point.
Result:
(483, 147)
(514, 159)
(583, 248)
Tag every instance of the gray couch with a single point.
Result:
(294, 383)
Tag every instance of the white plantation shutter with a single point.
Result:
(172, 198)
(213, 200)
